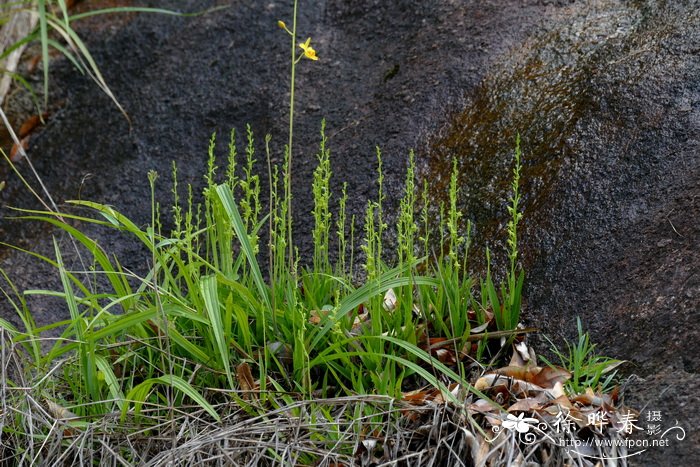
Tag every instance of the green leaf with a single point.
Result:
(371, 289)
(226, 197)
(139, 394)
(44, 35)
(111, 380)
(85, 343)
(211, 303)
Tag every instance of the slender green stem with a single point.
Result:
(288, 184)
(271, 223)
(164, 341)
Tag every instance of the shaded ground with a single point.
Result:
(607, 100)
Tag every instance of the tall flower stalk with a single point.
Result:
(309, 53)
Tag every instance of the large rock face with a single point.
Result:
(606, 99)
(607, 102)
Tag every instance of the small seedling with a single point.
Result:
(588, 370)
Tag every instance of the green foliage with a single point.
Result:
(204, 311)
(250, 186)
(374, 227)
(406, 227)
(55, 31)
(205, 306)
(506, 310)
(143, 346)
(321, 212)
(453, 217)
(588, 369)
(426, 224)
(341, 232)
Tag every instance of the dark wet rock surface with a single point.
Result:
(606, 99)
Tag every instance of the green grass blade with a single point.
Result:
(85, 354)
(435, 363)
(139, 394)
(16, 45)
(20, 306)
(30, 89)
(68, 54)
(195, 351)
(226, 197)
(116, 218)
(72, 38)
(118, 280)
(44, 37)
(6, 325)
(162, 11)
(186, 388)
(64, 12)
(371, 289)
(111, 380)
(210, 295)
(114, 328)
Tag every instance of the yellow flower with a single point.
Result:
(309, 51)
(281, 24)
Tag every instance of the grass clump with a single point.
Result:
(507, 308)
(51, 24)
(204, 319)
(205, 331)
(589, 370)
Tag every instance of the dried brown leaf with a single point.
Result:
(315, 316)
(15, 153)
(30, 124)
(589, 398)
(494, 420)
(516, 372)
(521, 353)
(59, 412)
(245, 380)
(526, 405)
(417, 397)
(481, 406)
(558, 391)
(446, 356)
(481, 328)
(438, 396)
(548, 377)
(562, 401)
(484, 450)
(511, 385)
